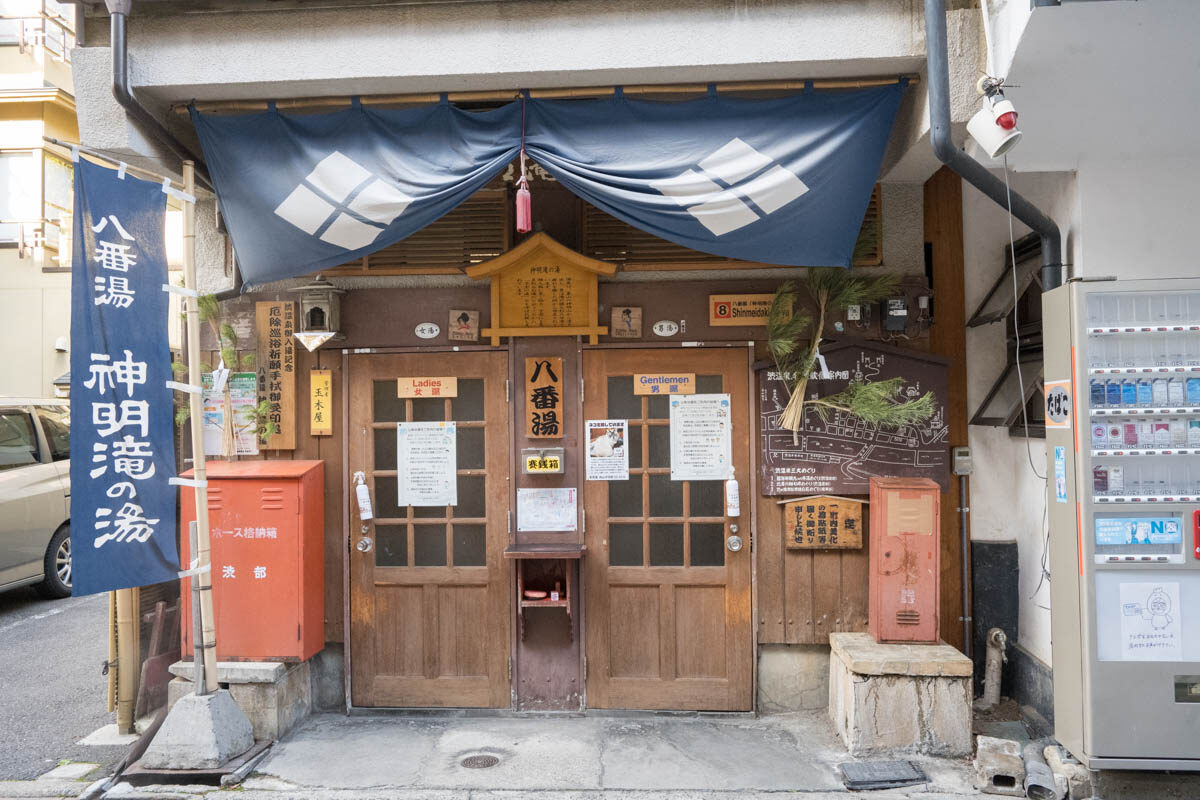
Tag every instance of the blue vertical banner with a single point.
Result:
(122, 443)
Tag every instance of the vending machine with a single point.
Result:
(1122, 386)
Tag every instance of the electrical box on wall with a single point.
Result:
(905, 560)
(895, 314)
(960, 460)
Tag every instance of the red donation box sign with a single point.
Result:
(267, 524)
(905, 560)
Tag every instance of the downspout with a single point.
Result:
(968, 168)
(118, 11)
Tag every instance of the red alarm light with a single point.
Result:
(1007, 120)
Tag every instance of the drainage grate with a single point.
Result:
(881, 774)
(479, 762)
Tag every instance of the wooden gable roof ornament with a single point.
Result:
(542, 288)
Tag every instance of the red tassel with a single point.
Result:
(524, 209)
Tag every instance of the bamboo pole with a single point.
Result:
(208, 638)
(111, 672)
(127, 654)
(500, 95)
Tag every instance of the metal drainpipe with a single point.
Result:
(968, 168)
(118, 11)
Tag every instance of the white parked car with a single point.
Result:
(35, 495)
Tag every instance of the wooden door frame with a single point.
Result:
(750, 499)
(349, 510)
(751, 421)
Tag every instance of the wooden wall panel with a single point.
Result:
(947, 337)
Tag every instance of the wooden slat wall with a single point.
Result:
(609, 239)
(481, 229)
(474, 232)
(804, 595)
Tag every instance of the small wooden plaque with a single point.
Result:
(464, 325)
(739, 309)
(427, 387)
(320, 403)
(823, 522)
(626, 323)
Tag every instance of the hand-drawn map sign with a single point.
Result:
(840, 455)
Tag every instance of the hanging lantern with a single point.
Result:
(320, 313)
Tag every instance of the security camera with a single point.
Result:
(994, 126)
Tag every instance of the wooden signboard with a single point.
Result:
(320, 402)
(626, 322)
(427, 387)
(276, 362)
(823, 522)
(543, 398)
(665, 383)
(840, 453)
(541, 288)
(738, 309)
(464, 326)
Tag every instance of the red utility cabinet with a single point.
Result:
(267, 523)
(905, 559)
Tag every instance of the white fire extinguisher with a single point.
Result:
(363, 494)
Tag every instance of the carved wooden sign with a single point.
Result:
(822, 522)
(276, 363)
(541, 288)
(543, 398)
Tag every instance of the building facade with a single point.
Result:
(654, 606)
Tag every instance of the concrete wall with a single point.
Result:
(1007, 496)
(35, 309)
(1140, 216)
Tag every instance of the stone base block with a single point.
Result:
(999, 768)
(275, 696)
(200, 732)
(897, 698)
(792, 677)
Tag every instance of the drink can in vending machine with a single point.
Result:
(1100, 480)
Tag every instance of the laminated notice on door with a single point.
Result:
(700, 438)
(546, 509)
(427, 457)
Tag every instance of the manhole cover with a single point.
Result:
(881, 774)
(479, 762)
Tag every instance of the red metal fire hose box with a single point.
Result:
(267, 522)
(905, 560)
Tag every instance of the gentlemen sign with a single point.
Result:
(276, 322)
(122, 506)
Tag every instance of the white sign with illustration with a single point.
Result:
(607, 450)
(546, 509)
(1150, 622)
(427, 461)
(700, 438)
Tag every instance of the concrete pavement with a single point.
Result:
(51, 691)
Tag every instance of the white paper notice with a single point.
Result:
(607, 454)
(700, 441)
(427, 459)
(1150, 626)
(546, 509)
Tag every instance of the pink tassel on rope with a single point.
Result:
(524, 199)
